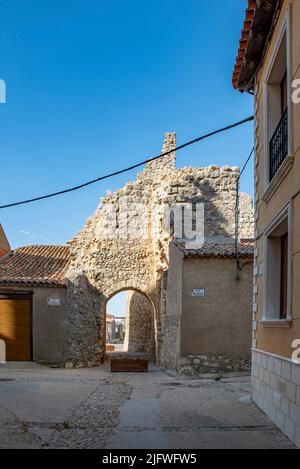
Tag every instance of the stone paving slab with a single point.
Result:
(42, 407)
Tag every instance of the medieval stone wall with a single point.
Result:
(193, 365)
(124, 245)
(84, 322)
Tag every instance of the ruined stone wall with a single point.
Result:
(125, 244)
(139, 328)
(193, 365)
(84, 322)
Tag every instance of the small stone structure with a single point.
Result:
(124, 245)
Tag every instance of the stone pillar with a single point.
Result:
(139, 324)
(84, 322)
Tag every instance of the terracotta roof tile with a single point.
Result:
(35, 266)
(243, 41)
(257, 26)
(220, 250)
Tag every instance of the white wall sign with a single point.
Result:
(198, 293)
(51, 301)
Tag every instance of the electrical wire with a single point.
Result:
(121, 171)
(237, 213)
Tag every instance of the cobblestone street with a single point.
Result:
(42, 407)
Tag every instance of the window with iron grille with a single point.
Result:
(277, 132)
(279, 144)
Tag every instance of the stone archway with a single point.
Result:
(140, 333)
(121, 246)
(125, 244)
(149, 292)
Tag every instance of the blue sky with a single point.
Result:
(91, 88)
(117, 304)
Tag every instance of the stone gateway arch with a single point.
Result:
(125, 245)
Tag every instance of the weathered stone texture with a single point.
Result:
(169, 348)
(139, 330)
(113, 260)
(200, 364)
(84, 322)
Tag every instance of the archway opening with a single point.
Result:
(129, 324)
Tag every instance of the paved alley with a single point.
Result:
(42, 407)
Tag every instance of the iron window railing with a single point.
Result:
(279, 145)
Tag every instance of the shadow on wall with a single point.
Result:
(218, 199)
(215, 223)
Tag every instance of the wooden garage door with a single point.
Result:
(15, 328)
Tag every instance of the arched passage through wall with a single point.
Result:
(136, 332)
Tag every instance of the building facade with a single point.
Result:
(268, 65)
(208, 309)
(33, 304)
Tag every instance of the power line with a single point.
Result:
(246, 163)
(237, 215)
(121, 171)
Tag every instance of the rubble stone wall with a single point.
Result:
(84, 322)
(190, 365)
(170, 344)
(124, 245)
(139, 328)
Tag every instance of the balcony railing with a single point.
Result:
(279, 145)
